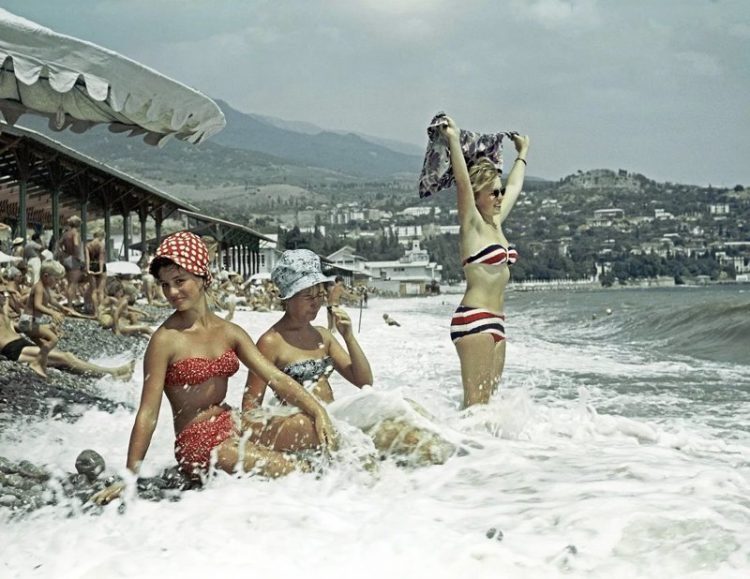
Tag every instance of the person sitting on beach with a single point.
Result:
(228, 294)
(310, 354)
(16, 348)
(390, 321)
(43, 316)
(478, 325)
(116, 314)
(96, 268)
(189, 359)
(14, 286)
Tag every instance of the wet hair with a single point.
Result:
(481, 174)
(53, 268)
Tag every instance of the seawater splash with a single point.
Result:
(601, 456)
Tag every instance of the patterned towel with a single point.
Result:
(437, 173)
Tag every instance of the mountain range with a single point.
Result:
(252, 149)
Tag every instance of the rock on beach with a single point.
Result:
(25, 396)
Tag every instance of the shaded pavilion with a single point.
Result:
(238, 245)
(43, 182)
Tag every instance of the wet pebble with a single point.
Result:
(90, 464)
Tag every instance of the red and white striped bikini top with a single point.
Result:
(192, 371)
(494, 254)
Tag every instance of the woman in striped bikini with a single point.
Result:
(478, 325)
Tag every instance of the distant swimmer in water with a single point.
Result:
(484, 202)
(390, 321)
(189, 360)
(310, 354)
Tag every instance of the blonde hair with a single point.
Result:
(481, 174)
(74, 220)
(53, 268)
(98, 233)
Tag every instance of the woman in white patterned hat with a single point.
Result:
(189, 360)
(309, 354)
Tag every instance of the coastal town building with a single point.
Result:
(412, 274)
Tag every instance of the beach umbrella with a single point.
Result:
(5, 258)
(77, 84)
(123, 268)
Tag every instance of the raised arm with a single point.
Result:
(467, 210)
(286, 388)
(514, 182)
(352, 364)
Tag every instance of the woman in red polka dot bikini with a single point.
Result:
(189, 359)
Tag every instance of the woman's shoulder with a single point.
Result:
(325, 334)
(271, 338)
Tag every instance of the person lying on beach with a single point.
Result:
(115, 314)
(189, 359)
(310, 354)
(16, 348)
(390, 321)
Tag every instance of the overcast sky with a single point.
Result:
(660, 87)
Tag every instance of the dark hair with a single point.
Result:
(36, 237)
(339, 278)
(157, 263)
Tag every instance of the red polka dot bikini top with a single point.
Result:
(192, 371)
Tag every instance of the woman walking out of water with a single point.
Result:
(189, 359)
(478, 325)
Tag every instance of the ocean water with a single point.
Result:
(619, 446)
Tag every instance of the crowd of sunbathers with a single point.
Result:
(40, 288)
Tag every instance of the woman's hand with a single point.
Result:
(448, 128)
(521, 142)
(342, 320)
(324, 430)
(108, 494)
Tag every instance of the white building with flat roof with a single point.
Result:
(409, 275)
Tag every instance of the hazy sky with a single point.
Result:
(661, 87)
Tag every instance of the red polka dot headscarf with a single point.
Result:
(188, 251)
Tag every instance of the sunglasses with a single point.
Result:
(498, 192)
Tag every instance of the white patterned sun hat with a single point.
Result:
(297, 270)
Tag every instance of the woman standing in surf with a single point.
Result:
(478, 325)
